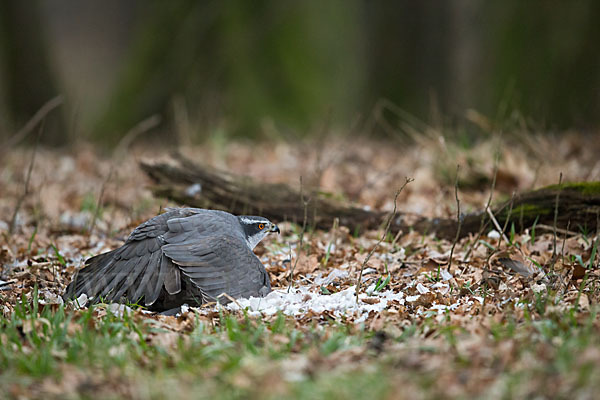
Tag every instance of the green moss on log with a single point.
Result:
(529, 210)
(585, 188)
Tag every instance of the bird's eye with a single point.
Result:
(261, 226)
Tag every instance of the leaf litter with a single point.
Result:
(408, 292)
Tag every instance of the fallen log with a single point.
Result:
(194, 185)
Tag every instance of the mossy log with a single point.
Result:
(188, 183)
(576, 205)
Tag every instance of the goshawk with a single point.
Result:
(186, 255)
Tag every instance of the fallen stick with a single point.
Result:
(194, 185)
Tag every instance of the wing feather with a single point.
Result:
(173, 280)
(121, 272)
(220, 264)
(151, 268)
(156, 281)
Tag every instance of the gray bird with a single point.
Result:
(186, 255)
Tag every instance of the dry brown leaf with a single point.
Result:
(307, 265)
(370, 300)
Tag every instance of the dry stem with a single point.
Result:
(301, 244)
(13, 221)
(38, 117)
(497, 225)
(555, 222)
(510, 208)
(99, 202)
(387, 229)
(459, 222)
(566, 232)
(487, 206)
(140, 128)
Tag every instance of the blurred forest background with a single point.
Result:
(267, 68)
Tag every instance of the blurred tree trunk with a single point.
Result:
(508, 58)
(242, 63)
(546, 62)
(26, 80)
(170, 45)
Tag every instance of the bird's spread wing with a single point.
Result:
(220, 264)
(137, 269)
(160, 250)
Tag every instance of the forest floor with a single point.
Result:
(424, 325)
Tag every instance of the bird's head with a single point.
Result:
(256, 228)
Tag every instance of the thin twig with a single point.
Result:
(554, 254)
(332, 242)
(37, 118)
(228, 297)
(559, 277)
(301, 244)
(13, 221)
(510, 208)
(545, 227)
(396, 238)
(289, 259)
(99, 202)
(140, 128)
(562, 251)
(590, 266)
(385, 233)
(497, 225)
(459, 223)
(487, 206)
(521, 214)
(118, 153)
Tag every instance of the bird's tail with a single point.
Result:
(91, 279)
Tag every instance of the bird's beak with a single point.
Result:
(275, 228)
